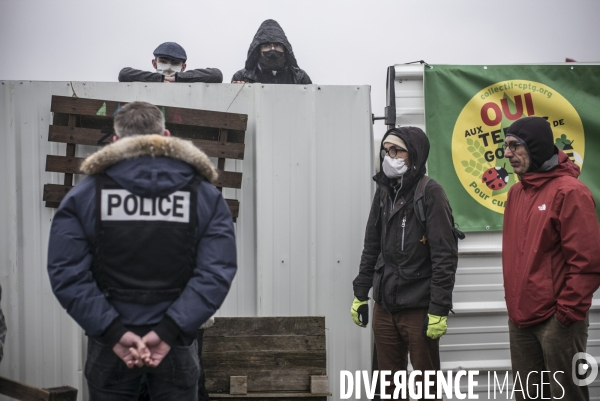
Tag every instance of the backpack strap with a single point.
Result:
(418, 200)
(420, 208)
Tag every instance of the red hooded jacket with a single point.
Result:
(550, 246)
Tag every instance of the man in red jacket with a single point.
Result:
(550, 261)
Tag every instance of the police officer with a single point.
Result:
(170, 64)
(142, 252)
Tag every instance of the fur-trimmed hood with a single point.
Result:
(150, 145)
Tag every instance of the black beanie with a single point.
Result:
(537, 135)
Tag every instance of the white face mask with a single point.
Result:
(394, 168)
(167, 69)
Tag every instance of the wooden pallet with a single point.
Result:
(79, 121)
(25, 392)
(266, 358)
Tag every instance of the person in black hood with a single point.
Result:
(409, 264)
(271, 59)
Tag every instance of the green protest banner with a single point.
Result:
(468, 109)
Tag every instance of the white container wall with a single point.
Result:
(477, 335)
(305, 198)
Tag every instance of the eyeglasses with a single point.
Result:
(265, 47)
(512, 146)
(166, 60)
(393, 152)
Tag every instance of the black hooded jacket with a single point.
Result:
(405, 270)
(270, 32)
(208, 75)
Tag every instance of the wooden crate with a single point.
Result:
(79, 121)
(271, 357)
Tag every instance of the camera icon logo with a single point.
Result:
(584, 369)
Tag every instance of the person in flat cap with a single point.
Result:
(169, 62)
(271, 59)
(408, 258)
(550, 262)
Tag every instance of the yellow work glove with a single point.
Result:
(360, 312)
(435, 326)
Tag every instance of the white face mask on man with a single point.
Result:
(394, 168)
(167, 69)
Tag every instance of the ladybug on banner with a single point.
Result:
(495, 178)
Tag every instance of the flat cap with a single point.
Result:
(170, 50)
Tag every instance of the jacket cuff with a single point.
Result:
(563, 318)
(114, 332)
(438, 310)
(362, 293)
(168, 331)
(176, 77)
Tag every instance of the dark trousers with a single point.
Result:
(176, 378)
(202, 392)
(399, 335)
(547, 346)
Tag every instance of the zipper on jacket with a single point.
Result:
(403, 228)
(394, 201)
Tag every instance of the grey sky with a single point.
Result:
(336, 42)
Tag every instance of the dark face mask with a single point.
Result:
(272, 60)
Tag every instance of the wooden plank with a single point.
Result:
(221, 161)
(177, 115)
(228, 150)
(63, 393)
(234, 207)
(238, 385)
(206, 133)
(54, 194)
(97, 137)
(178, 130)
(263, 343)
(80, 136)
(68, 180)
(63, 164)
(319, 384)
(229, 179)
(72, 165)
(205, 118)
(21, 391)
(246, 326)
(264, 360)
(297, 380)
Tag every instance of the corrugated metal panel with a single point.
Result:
(477, 335)
(304, 202)
(313, 196)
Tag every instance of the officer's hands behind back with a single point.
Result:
(135, 351)
(132, 350)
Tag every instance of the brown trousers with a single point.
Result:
(547, 346)
(399, 335)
